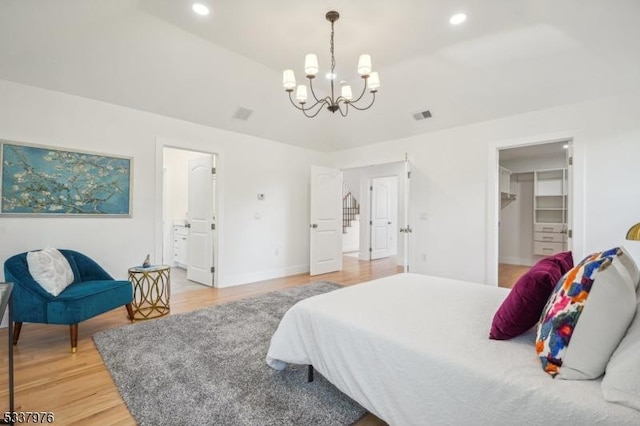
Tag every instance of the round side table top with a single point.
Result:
(152, 268)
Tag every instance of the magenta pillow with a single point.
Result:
(523, 306)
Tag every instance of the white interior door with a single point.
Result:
(382, 217)
(200, 251)
(326, 220)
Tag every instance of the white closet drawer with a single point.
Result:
(548, 227)
(180, 245)
(180, 230)
(546, 249)
(549, 237)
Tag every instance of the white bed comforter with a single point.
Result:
(414, 350)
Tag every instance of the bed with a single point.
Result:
(414, 350)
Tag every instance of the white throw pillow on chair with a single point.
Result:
(50, 269)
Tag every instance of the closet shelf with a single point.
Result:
(507, 196)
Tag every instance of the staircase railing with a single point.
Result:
(350, 209)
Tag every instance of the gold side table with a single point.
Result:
(151, 291)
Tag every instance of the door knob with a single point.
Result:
(388, 223)
(314, 225)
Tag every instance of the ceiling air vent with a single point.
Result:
(242, 114)
(422, 115)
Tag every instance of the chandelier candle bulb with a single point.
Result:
(311, 64)
(364, 65)
(288, 79)
(373, 82)
(301, 93)
(346, 92)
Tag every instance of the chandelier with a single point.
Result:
(371, 81)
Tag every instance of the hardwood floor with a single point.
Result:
(509, 274)
(78, 389)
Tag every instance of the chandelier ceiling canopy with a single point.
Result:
(371, 81)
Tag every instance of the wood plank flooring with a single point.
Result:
(78, 389)
(509, 274)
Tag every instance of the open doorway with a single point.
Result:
(373, 205)
(534, 212)
(188, 217)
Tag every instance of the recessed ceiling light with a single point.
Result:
(458, 18)
(200, 9)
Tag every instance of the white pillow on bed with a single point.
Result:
(50, 269)
(630, 265)
(621, 382)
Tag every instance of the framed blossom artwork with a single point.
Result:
(46, 181)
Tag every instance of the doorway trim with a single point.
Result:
(493, 194)
(218, 236)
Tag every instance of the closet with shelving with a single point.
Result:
(534, 209)
(550, 211)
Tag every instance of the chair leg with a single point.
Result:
(73, 330)
(17, 326)
(130, 311)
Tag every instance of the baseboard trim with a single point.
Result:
(234, 280)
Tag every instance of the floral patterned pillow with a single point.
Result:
(585, 318)
(625, 258)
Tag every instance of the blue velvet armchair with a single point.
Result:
(92, 293)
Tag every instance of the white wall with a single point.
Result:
(451, 170)
(250, 249)
(351, 178)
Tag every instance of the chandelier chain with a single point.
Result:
(333, 59)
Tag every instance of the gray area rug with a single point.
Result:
(207, 367)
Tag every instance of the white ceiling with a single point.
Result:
(510, 57)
